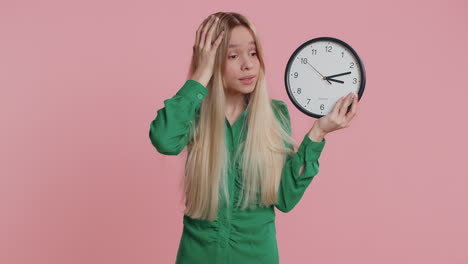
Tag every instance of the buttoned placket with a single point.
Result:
(224, 217)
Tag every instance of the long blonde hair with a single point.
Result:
(265, 149)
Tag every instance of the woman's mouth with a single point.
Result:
(248, 80)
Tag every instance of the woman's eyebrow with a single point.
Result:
(235, 45)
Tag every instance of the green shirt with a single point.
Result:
(237, 236)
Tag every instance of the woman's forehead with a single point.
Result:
(240, 37)
(238, 44)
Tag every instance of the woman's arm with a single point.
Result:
(299, 169)
(169, 131)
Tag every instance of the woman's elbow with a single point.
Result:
(284, 207)
(165, 145)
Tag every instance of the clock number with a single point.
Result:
(354, 80)
(352, 65)
(342, 54)
(322, 107)
(328, 48)
(295, 75)
(304, 60)
(298, 90)
(314, 52)
(308, 100)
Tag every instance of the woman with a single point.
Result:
(241, 161)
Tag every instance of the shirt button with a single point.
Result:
(223, 244)
(200, 96)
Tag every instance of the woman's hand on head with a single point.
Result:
(205, 50)
(338, 118)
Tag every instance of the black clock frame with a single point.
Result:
(291, 59)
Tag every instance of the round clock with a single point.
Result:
(320, 71)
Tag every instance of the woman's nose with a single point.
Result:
(247, 63)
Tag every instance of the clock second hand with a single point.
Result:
(319, 73)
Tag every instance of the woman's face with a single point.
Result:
(241, 61)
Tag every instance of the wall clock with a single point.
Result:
(320, 71)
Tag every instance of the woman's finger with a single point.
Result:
(197, 36)
(206, 31)
(346, 102)
(336, 108)
(203, 33)
(218, 40)
(353, 111)
(209, 37)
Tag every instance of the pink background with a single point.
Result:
(81, 81)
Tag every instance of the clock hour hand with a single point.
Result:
(333, 80)
(336, 75)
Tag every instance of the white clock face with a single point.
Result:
(320, 72)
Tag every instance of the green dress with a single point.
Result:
(246, 237)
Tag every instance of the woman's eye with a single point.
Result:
(232, 56)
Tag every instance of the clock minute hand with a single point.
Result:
(336, 75)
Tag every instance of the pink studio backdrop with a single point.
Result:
(81, 81)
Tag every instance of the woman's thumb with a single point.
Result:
(219, 39)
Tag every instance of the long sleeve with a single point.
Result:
(169, 131)
(293, 185)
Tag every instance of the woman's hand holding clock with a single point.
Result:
(337, 119)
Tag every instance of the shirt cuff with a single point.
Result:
(311, 149)
(193, 90)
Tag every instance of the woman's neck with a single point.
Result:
(235, 104)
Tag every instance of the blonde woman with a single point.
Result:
(241, 158)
